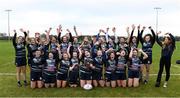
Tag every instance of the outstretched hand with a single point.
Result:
(14, 31)
(158, 33)
(48, 31)
(114, 29)
(74, 28)
(127, 29)
(102, 31)
(144, 27)
(149, 27)
(167, 33)
(22, 30)
(133, 26)
(107, 29)
(139, 27)
(59, 29)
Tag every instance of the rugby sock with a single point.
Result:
(25, 82)
(19, 84)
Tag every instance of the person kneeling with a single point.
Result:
(36, 70)
(49, 73)
(134, 68)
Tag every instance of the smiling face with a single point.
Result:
(43, 40)
(38, 53)
(167, 40)
(64, 39)
(20, 39)
(147, 38)
(99, 53)
(50, 55)
(87, 53)
(122, 40)
(135, 52)
(33, 41)
(75, 55)
(53, 40)
(65, 56)
(134, 39)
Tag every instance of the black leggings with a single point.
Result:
(167, 63)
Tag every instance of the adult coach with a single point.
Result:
(168, 46)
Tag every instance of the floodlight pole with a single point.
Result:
(8, 13)
(157, 9)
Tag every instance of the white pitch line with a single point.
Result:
(177, 66)
(7, 74)
(6, 64)
(165, 74)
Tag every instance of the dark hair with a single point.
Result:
(122, 50)
(50, 52)
(64, 53)
(51, 36)
(87, 51)
(122, 37)
(168, 39)
(38, 50)
(151, 37)
(134, 37)
(112, 52)
(135, 49)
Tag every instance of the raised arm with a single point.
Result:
(132, 32)
(106, 34)
(59, 30)
(25, 35)
(82, 44)
(173, 39)
(27, 38)
(14, 39)
(130, 54)
(47, 34)
(141, 35)
(107, 37)
(70, 35)
(157, 39)
(75, 30)
(80, 53)
(98, 35)
(153, 35)
(138, 35)
(128, 39)
(115, 35)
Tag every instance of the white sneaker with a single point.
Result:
(165, 84)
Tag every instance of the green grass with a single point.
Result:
(8, 85)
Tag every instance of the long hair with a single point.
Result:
(166, 44)
(151, 37)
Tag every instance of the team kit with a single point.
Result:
(92, 61)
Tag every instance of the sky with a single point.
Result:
(89, 15)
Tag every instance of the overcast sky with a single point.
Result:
(89, 15)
